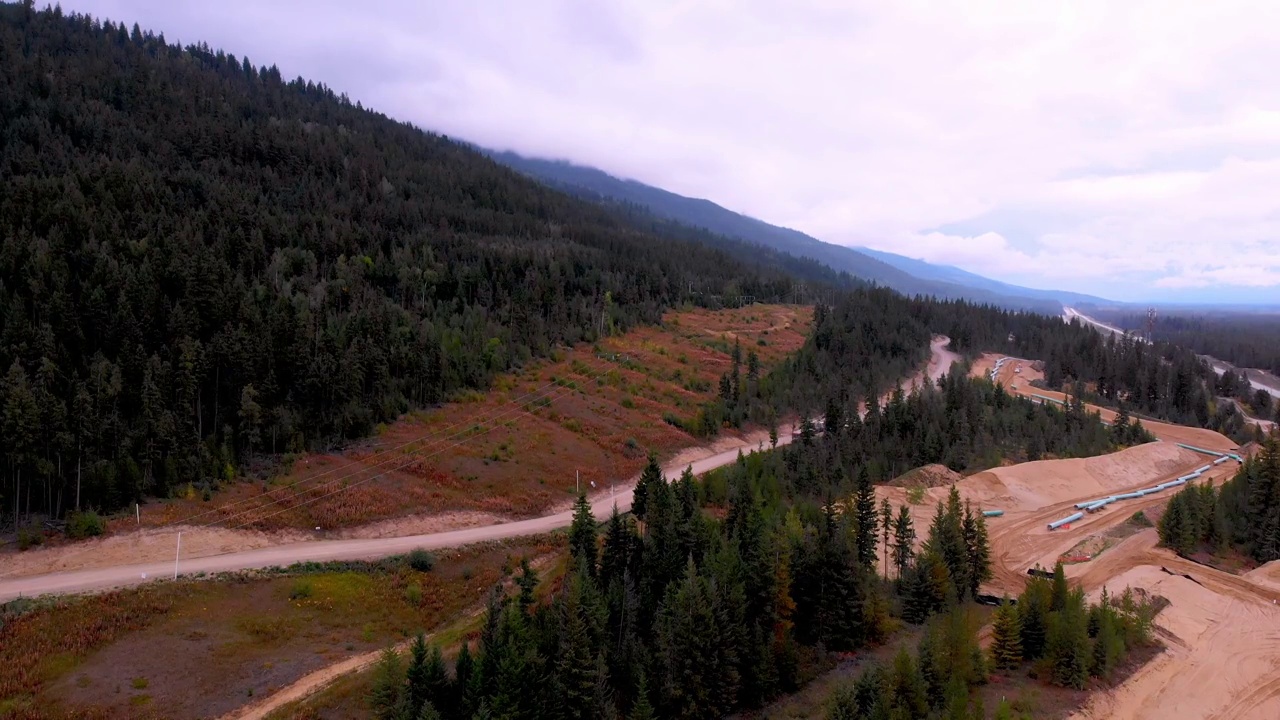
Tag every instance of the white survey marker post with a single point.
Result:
(176, 553)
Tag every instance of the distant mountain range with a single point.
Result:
(954, 275)
(904, 274)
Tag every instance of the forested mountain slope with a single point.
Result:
(602, 187)
(201, 260)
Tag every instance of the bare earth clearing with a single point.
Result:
(508, 454)
(1222, 630)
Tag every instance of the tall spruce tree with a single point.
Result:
(904, 538)
(865, 507)
(978, 549)
(886, 527)
(1006, 637)
(582, 535)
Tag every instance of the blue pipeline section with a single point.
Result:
(992, 513)
(1222, 457)
(1068, 519)
(1047, 398)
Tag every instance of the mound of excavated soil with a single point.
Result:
(927, 476)
(1037, 484)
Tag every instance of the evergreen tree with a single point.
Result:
(1060, 591)
(651, 476)
(865, 507)
(1067, 645)
(1033, 616)
(619, 547)
(886, 527)
(641, 709)
(906, 688)
(576, 673)
(698, 673)
(528, 583)
(416, 676)
(386, 696)
(978, 549)
(946, 541)
(1006, 637)
(904, 538)
(461, 696)
(582, 535)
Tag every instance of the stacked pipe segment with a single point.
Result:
(1068, 519)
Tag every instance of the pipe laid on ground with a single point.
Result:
(1202, 469)
(992, 513)
(1068, 519)
(1214, 453)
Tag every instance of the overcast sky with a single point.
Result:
(1129, 149)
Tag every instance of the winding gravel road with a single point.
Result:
(371, 548)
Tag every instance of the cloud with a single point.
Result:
(1117, 148)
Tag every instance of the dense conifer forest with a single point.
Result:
(1242, 515)
(1052, 630)
(1163, 381)
(1244, 340)
(676, 613)
(202, 260)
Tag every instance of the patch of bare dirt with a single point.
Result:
(927, 476)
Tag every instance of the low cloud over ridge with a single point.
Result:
(1126, 149)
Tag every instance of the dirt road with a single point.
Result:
(117, 575)
(327, 550)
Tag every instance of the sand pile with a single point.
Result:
(927, 476)
(1047, 482)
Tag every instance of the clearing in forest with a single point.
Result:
(195, 649)
(513, 451)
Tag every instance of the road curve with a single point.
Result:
(328, 550)
(371, 548)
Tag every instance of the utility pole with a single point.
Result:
(176, 554)
(577, 482)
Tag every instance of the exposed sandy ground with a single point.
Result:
(151, 545)
(1223, 659)
(1223, 644)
